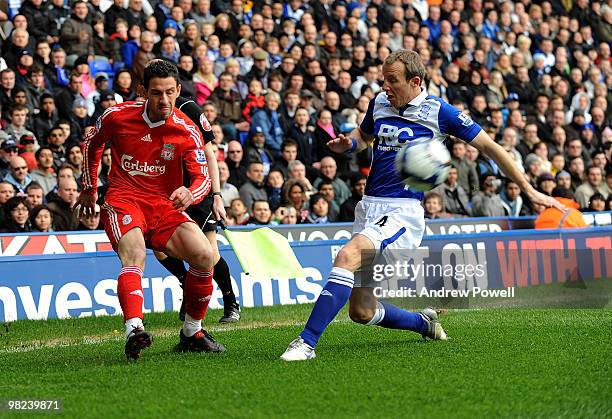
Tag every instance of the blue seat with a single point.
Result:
(101, 66)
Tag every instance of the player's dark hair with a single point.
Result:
(161, 69)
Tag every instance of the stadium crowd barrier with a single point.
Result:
(97, 241)
(84, 284)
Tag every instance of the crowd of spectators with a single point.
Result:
(277, 80)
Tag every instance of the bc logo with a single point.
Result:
(391, 135)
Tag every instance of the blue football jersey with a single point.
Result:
(426, 117)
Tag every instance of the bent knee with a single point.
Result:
(361, 315)
(201, 259)
(133, 256)
(349, 257)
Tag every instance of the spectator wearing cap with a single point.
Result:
(44, 175)
(61, 205)
(267, 118)
(594, 184)
(555, 218)
(487, 202)
(77, 34)
(260, 69)
(78, 121)
(8, 151)
(19, 176)
(106, 99)
(23, 67)
(256, 151)
(545, 183)
(102, 84)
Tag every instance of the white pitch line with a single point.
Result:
(96, 340)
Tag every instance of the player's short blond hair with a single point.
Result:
(412, 62)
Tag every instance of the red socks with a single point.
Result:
(198, 291)
(129, 291)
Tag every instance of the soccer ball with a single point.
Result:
(423, 164)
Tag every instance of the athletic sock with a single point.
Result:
(129, 292)
(333, 297)
(131, 324)
(224, 281)
(198, 290)
(176, 267)
(391, 317)
(191, 326)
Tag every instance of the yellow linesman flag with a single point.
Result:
(264, 253)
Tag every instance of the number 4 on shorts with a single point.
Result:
(382, 221)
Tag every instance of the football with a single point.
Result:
(423, 164)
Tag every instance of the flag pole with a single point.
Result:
(228, 235)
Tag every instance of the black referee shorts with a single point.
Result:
(202, 214)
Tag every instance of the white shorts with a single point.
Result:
(394, 225)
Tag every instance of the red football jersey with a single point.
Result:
(147, 157)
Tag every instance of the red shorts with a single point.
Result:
(157, 219)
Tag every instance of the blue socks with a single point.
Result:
(391, 317)
(333, 297)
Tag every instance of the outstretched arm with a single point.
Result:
(486, 145)
(357, 141)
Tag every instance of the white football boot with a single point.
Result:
(298, 350)
(434, 328)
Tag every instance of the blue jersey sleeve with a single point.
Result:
(453, 122)
(367, 125)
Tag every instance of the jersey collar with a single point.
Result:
(145, 116)
(414, 102)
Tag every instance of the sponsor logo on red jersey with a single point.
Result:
(137, 168)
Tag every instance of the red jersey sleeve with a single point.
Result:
(93, 147)
(196, 165)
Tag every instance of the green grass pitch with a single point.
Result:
(499, 363)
